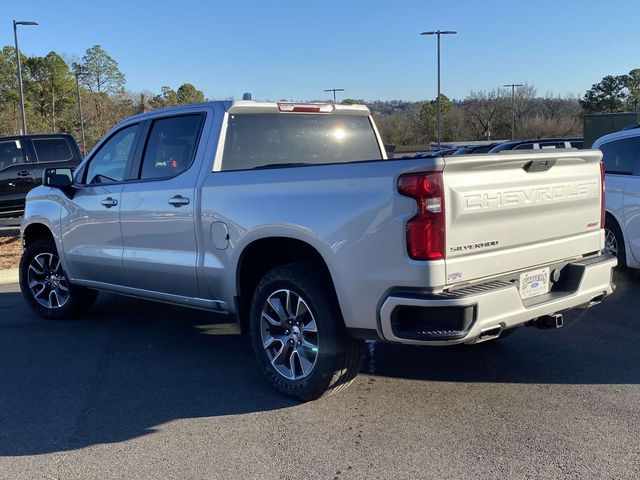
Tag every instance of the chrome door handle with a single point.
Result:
(25, 173)
(179, 201)
(109, 202)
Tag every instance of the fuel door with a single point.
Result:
(220, 235)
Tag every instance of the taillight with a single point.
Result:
(306, 107)
(602, 204)
(426, 230)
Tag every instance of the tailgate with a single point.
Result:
(508, 212)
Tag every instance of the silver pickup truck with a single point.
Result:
(291, 218)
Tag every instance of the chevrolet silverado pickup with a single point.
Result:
(291, 218)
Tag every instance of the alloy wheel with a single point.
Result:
(47, 282)
(610, 242)
(289, 334)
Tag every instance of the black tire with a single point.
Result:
(78, 299)
(339, 356)
(611, 228)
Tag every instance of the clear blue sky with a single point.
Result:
(296, 48)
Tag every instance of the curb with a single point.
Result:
(9, 276)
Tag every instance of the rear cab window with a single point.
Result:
(52, 149)
(257, 140)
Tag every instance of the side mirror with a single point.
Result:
(61, 178)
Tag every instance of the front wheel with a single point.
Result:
(298, 334)
(45, 286)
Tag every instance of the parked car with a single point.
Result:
(539, 144)
(474, 149)
(621, 157)
(23, 159)
(439, 153)
(289, 217)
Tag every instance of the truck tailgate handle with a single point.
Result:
(179, 201)
(538, 165)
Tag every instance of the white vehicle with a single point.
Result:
(621, 157)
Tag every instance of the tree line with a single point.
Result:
(482, 115)
(51, 83)
(486, 115)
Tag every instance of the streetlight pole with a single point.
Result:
(438, 33)
(334, 90)
(513, 107)
(77, 72)
(15, 37)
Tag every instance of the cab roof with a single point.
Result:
(250, 106)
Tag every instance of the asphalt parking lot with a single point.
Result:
(140, 390)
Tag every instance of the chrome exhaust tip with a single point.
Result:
(595, 300)
(489, 333)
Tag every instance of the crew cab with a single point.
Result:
(23, 159)
(291, 218)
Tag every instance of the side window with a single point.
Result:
(171, 146)
(52, 149)
(622, 156)
(11, 153)
(109, 163)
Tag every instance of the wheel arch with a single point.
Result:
(264, 254)
(34, 231)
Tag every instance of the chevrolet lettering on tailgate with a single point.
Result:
(511, 198)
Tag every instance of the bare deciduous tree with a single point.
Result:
(484, 110)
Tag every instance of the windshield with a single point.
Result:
(258, 140)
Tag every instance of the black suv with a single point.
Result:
(23, 159)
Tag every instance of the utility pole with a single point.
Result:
(15, 37)
(438, 33)
(334, 90)
(513, 107)
(53, 107)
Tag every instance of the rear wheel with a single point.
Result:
(298, 334)
(614, 243)
(45, 285)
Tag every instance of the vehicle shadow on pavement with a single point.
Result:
(131, 366)
(118, 374)
(596, 346)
